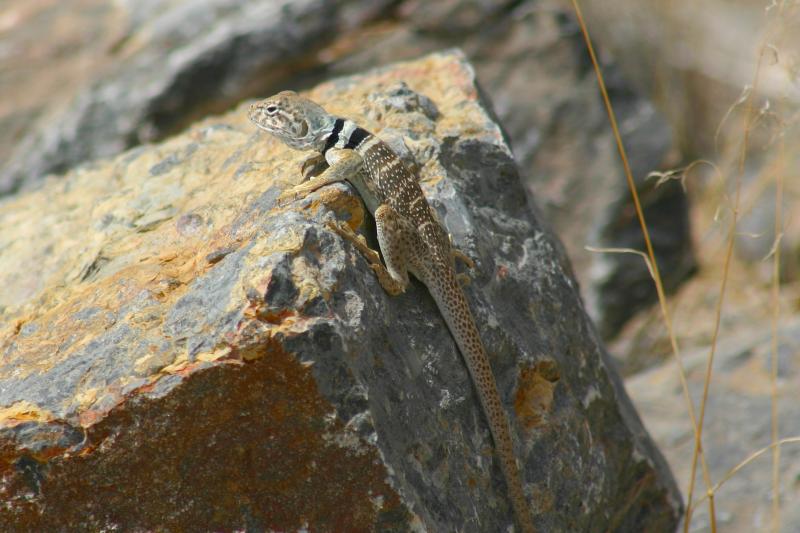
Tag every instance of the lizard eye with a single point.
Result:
(272, 109)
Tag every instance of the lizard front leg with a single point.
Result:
(402, 247)
(313, 166)
(347, 164)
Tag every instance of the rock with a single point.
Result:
(737, 424)
(738, 414)
(179, 353)
(169, 63)
(698, 64)
(696, 60)
(756, 239)
(48, 51)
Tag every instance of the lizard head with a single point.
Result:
(297, 121)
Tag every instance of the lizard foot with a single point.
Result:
(389, 284)
(295, 193)
(464, 258)
(298, 192)
(344, 231)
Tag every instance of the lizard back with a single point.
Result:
(388, 181)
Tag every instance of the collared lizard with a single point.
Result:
(409, 235)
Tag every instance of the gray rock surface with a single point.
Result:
(174, 62)
(186, 355)
(737, 425)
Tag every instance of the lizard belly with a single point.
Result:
(366, 190)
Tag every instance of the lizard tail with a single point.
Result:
(453, 305)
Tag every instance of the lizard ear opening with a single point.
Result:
(303, 128)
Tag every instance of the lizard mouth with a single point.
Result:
(262, 119)
(277, 130)
(295, 134)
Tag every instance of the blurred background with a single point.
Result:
(706, 95)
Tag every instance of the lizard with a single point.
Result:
(410, 237)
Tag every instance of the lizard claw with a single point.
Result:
(285, 198)
(344, 231)
(335, 227)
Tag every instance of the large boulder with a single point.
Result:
(181, 353)
(152, 68)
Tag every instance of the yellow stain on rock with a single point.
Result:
(23, 411)
(535, 392)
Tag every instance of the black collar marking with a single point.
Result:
(333, 138)
(356, 138)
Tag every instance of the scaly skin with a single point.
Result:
(410, 237)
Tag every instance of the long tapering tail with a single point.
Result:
(453, 305)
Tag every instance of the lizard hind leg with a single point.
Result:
(391, 284)
(458, 255)
(400, 244)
